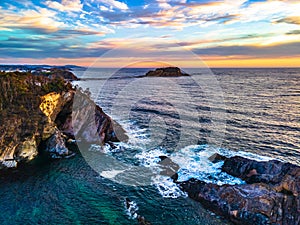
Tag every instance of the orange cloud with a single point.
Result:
(291, 19)
(42, 19)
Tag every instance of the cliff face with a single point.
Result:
(36, 110)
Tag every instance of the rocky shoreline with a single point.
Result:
(41, 115)
(271, 194)
(38, 114)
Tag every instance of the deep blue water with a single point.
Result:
(249, 112)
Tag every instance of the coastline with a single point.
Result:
(49, 100)
(200, 191)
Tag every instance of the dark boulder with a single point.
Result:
(242, 204)
(271, 195)
(168, 168)
(284, 176)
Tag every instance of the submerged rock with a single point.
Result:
(271, 195)
(166, 72)
(132, 210)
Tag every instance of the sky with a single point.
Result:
(144, 33)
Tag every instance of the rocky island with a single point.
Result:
(166, 72)
(36, 114)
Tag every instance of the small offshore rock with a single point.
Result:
(166, 72)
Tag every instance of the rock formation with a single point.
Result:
(166, 72)
(36, 113)
(271, 195)
(168, 167)
(56, 73)
(132, 209)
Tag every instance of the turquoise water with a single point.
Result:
(70, 192)
(248, 112)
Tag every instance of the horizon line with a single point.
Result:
(151, 67)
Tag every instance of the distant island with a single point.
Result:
(166, 72)
(44, 70)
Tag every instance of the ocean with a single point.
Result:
(254, 113)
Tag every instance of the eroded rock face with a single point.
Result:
(166, 72)
(56, 145)
(21, 121)
(74, 115)
(271, 195)
(27, 149)
(83, 119)
(53, 102)
(284, 177)
(37, 110)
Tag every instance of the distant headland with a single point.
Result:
(29, 68)
(44, 70)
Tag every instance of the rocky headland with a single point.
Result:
(37, 115)
(166, 72)
(271, 194)
(53, 73)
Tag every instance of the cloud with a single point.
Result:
(165, 13)
(104, 8)
(174, 14)
(293, 32)
(42, 21)
(164, 4)
(46, 48)
(292, 20)
(64, 33)
(270, 10)
(115, 4)
(36, 19)
(155, 48)
(78, 32)
(65, 5)
(290, 49)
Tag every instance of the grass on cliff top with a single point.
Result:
(20, 97)
(22, 89)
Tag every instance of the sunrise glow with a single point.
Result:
(226, 33)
